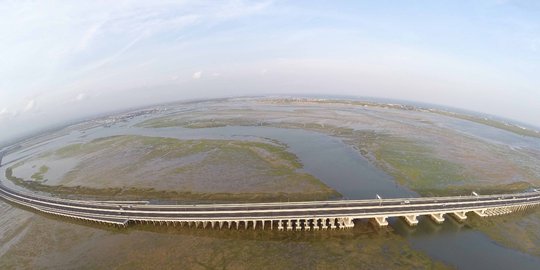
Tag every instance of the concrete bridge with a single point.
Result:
(315, 215)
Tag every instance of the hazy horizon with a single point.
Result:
(66, 60)
(67, 122)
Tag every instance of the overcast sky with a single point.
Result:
(65, 59)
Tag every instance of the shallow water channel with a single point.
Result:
(344, 169)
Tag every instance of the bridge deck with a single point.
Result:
(341, 212)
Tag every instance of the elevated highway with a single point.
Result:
(315, 215)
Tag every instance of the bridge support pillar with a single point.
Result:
(438, 217)
(411, 220)
(280, 225)
(333, 224)
(380, 221)
(324, 223)
(316, 224)
(298, 226)
(348, 222)
(480, 213)
(341, 223)
(460, 216)
(289, 225)
(307, 225)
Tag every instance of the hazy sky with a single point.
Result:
(65, 59)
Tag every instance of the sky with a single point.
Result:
(61, 60)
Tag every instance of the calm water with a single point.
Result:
(342, 168)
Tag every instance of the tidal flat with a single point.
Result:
(175, 154)
(139, 167)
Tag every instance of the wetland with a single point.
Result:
(274, 149)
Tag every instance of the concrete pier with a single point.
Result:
(348, 223)
(297, 225)
(316, 224)
(324, 223)
(307, 225)
(380, 221)
(333, 224)
(459, 216)
(480, 213)
(437, 217)
(411, 220)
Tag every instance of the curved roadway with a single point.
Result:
(124, 212)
